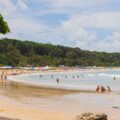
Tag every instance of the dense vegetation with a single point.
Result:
(22, 53)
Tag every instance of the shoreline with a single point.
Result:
(54, 85)
(56, 104)
(57, 107)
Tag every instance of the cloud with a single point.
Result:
(22, 4)
(80, 6)
(83, 30)
(79, 24)
(106, 20)
(22, 26)
(110, 43)
(6, 7)
(26, 27)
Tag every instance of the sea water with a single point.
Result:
(73, 80)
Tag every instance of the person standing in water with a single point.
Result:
(52, 76)
(57, 80)
(109, 88)
(103, 89)
(73, 76)
(98, 89)
(114, 78)
(66, 76)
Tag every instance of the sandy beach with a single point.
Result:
(25, 102)
(16, 110)
(55, 105)
(19, 111)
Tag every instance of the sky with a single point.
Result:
(88, 24)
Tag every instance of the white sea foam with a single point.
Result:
(109, 75)
(90, 74)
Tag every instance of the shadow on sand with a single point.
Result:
(5, 118)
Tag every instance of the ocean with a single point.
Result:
(73, 80)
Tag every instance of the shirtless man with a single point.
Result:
(98, 88)
(103, 89)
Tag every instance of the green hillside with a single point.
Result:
(21, 53)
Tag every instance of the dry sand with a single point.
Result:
(13, 109)
(17, 110)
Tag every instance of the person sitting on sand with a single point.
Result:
(98, 88)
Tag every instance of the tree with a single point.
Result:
(4, 28)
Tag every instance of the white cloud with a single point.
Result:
(26, 27)
(75, 3)
(80, 6)
(6, 7)
(21, 25)
(107, 20)
(82, 30)
(76, 29)
(79, 35)
(22, 4)
(110, 43)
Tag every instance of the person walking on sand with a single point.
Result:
(114, 78)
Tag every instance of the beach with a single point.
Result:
(12, 109)
(28, 102)
(50, 109)
(18, 103)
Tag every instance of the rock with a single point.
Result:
(91, 116)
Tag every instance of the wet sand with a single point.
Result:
(31, 103)
(5, 118)
(52, 109)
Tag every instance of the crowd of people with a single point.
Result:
(102, 89)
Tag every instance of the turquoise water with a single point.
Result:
(76, 80)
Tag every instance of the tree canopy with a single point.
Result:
(21, 53)
(4, 28)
